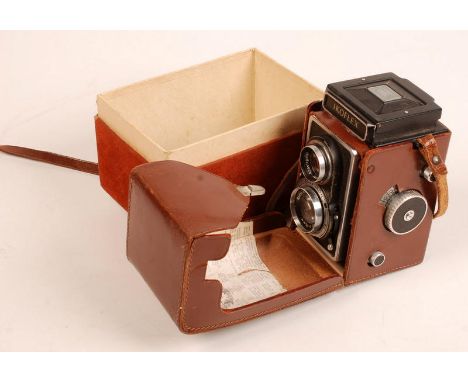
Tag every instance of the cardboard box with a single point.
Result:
(200, 114)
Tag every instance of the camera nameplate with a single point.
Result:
(345, 115)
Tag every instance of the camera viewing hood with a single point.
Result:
(383, 109)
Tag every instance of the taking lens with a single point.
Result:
(307, 209)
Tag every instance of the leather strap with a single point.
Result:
(51, 158)
(430, 152)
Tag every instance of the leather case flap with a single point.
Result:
(197, 201)
(170, 205)
(173, 209)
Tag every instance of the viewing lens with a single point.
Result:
(316, 162)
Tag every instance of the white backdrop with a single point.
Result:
(65, 283)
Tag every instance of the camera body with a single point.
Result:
(365, 194)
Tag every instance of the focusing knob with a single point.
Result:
(405, 212)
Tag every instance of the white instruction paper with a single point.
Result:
(242, 273)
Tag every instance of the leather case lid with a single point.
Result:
(171, 204)
(172, 208)
(184, 197)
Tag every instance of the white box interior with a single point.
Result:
(236, 101)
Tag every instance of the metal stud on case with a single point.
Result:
(376, 259)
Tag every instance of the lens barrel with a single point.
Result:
(307, 209)
(316, 162)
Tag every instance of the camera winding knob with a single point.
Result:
(405, 212)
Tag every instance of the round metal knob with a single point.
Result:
(405, 212)
(376, 259)
(428, 174)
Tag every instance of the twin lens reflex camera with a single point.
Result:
(367, 185)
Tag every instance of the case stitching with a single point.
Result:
(185, 285)
(384, 272)
(129, 219)
(364, 163)
(242, 319)
(246, 318)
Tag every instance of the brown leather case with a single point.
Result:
(176, 212)
(381, 169)
(173, 209)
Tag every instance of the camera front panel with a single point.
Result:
(323, 200)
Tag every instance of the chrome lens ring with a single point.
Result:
(302, 198)
(316, 162)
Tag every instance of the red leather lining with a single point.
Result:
(265, 164)
(115, 159)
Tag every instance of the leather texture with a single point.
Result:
(173, 206)
(382, 168)
(51, 158)
(116, 161)
(170, 215)
(265, 164)
(168, 211)
(430, 152)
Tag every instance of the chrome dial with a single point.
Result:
(405, 212)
